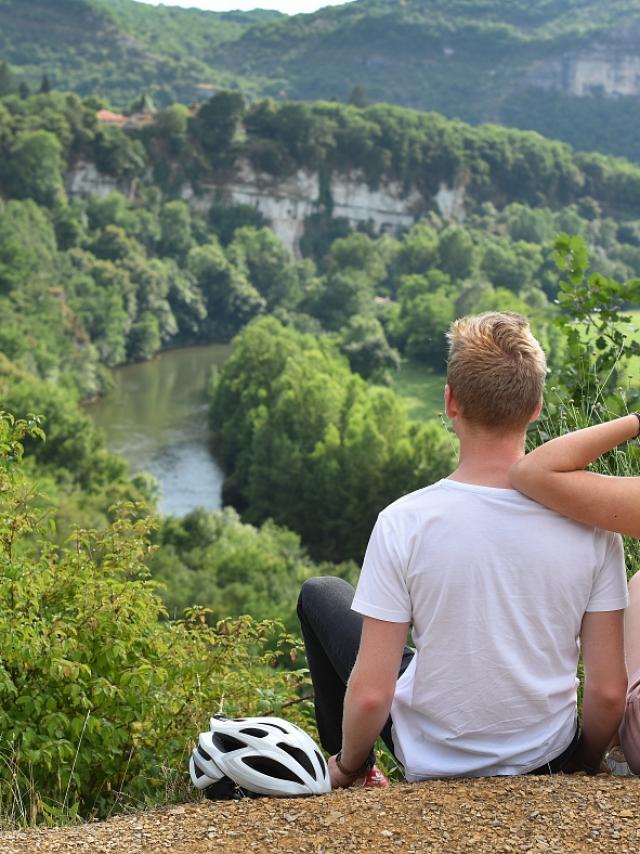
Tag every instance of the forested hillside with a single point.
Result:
(567, 68)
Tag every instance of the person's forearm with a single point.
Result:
(364, 715)
(601, 718)
(576, 450)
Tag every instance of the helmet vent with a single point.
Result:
(271, 768)
(259, 733)
(202, 752)
(226, 743)
(300, 756)
(198, 772)
(323, 764)
(276, 726)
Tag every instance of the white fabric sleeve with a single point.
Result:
(382, 590)
(609, 591)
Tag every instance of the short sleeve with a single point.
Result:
(382, 591)
(609, 591)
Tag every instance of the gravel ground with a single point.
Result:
(549, 814)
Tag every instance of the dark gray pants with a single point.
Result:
(331, 632)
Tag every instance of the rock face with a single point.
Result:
(597, 72)
(286, 203)
(85, 180)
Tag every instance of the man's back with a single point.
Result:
(498, 591)
(496, 587)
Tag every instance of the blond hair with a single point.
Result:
(496, 369)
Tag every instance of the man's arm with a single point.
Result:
(605, 683)
(369, 693)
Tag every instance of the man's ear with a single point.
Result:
(536, 412)
(450, 404)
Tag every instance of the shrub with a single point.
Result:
(101, 695)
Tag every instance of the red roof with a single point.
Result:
(110, 118)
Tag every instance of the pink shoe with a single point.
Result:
(375, 779)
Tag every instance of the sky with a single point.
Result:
(291, 7)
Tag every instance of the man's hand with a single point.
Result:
(338, 779)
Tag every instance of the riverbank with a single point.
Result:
(512, 814)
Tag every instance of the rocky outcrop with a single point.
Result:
(286, 203)
(85, 180)
(599, 71)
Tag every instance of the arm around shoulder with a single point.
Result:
(552, 474)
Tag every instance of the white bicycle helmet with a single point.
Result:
(202, 769)
(269, 756)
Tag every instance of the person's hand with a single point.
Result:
(338, 779)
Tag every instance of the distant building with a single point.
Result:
(136, 120)
(109, 118)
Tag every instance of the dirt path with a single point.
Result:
(553, 814)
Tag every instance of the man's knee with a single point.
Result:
(311, 592)
(316, 593)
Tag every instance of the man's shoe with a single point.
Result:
(375, 779)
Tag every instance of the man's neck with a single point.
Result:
(485, 459)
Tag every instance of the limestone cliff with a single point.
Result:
(286, 203)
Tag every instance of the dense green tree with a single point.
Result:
(175, 222)
(339, 296)
(456, 252)
(117, 154)
(74, 448)
(356, 252)
(231, 301)
(36, 167)
(529, 224)
(358, 96)
(8, 82)
(27, 243)
(215, 125)
(426, 310)
(510, 265)
(290, 419)
(45, 85)
(216, 561)
(418, 252)
(269, 266)
(364, 343)
(171, 126)
(144, 338)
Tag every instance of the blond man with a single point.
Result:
(499, 593)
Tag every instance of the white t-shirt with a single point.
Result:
(495, 586)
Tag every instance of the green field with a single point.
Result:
(422, 389)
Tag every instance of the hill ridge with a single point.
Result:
(478, 60)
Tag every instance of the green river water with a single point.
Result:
(156, 418)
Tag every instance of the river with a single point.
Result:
(156, 418)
